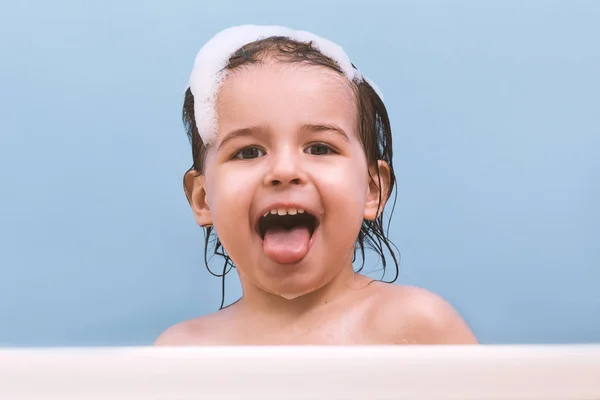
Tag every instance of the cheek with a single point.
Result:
(229, 192)
(343, 187)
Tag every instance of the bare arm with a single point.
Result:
(429, 319)
(177, 335)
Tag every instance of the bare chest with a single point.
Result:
(342, 328)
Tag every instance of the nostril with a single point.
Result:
(277, 182)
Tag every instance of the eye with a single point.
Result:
(319, 149)
(248, 153)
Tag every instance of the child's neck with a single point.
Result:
(258, 302)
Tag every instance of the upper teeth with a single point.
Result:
(284, 211)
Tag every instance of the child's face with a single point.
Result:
(287, 139)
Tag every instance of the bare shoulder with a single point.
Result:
(422, 317)
(193, 332)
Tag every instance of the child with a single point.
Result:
(292, 168)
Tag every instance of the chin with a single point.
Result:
(295, 295)
(292, 293)
(290, 296)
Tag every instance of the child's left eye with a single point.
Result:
(319, 149)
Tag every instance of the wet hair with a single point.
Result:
(374, 131)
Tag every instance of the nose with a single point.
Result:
(285, 169)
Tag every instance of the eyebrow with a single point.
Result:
(325, 127)
(238, 133)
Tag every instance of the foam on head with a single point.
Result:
(209, 70)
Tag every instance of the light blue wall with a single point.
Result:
(496, 112)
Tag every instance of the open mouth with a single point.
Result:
(287, 221)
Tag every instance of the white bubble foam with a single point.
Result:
(209, 71)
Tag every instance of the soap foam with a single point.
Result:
(209, 70)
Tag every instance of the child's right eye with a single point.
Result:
(249, 153)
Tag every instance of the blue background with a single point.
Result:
(495, 107)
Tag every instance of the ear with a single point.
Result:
(193, 184)
(377, 190)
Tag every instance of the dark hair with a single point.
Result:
(374, 130)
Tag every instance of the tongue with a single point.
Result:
(286, 246)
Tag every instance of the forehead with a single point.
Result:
(285, 94)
